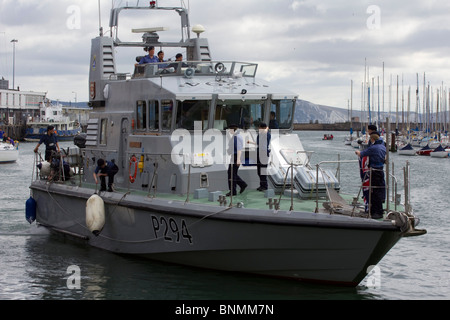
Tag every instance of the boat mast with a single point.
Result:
(361, 121)
(364, 91)
(351, 109)
(403, 106)
(437, 125)
(417, 102)
(408, 125)
(396, 109)
(390, 97)
(100, 28)
(378, 100)
(383, 95)
(424, 115)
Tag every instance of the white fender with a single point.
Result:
(95, 214)
(45, 169)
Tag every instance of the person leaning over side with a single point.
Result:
(9, 140)
(105, 169)
(50, 141)
(377, 155)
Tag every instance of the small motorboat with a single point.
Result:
(8, 152)
(348, 140)
(328, 137)
(439, 152)
(407, 150)
(425, 151)
(357, 142)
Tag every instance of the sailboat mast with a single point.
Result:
(417, 101)
(383, 92)
(396, 109)
(407, 114)
(403, 106)
(390, 98)
(351, 108)
(424, 114)
(378, 84)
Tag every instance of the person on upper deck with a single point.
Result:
(150, 58)
(161, 59)
(178, 59)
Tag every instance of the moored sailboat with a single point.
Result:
(407, 150)
(439, 152)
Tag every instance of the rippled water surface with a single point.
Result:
(35, 264)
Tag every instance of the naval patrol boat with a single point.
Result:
(165, 126)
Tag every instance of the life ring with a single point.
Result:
(133, 176)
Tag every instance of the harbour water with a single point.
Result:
(37, 265)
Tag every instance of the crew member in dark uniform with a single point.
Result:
(105, 169)
(235, 149)
(377, 155)
(263, 143)
(50, 141)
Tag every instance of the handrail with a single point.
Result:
(326, 187)
(395, 181)
(199, 68)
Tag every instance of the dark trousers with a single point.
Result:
(111, 173)
(233, 170)
(378, 193)
(48, 154)
(262, 174)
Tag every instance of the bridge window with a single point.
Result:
(192, 111)
(281, 113)
(245, 114)
(141, 115)
(153, 115)
(166, 114)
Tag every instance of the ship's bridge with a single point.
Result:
(211, 95)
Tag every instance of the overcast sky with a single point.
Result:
(313, 48)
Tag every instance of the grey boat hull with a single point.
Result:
(300, 245)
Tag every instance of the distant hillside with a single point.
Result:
(307, 112)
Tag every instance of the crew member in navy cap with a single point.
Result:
(377, 156)
(105, 169)
(50, 141)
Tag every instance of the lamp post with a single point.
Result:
(14, 41)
